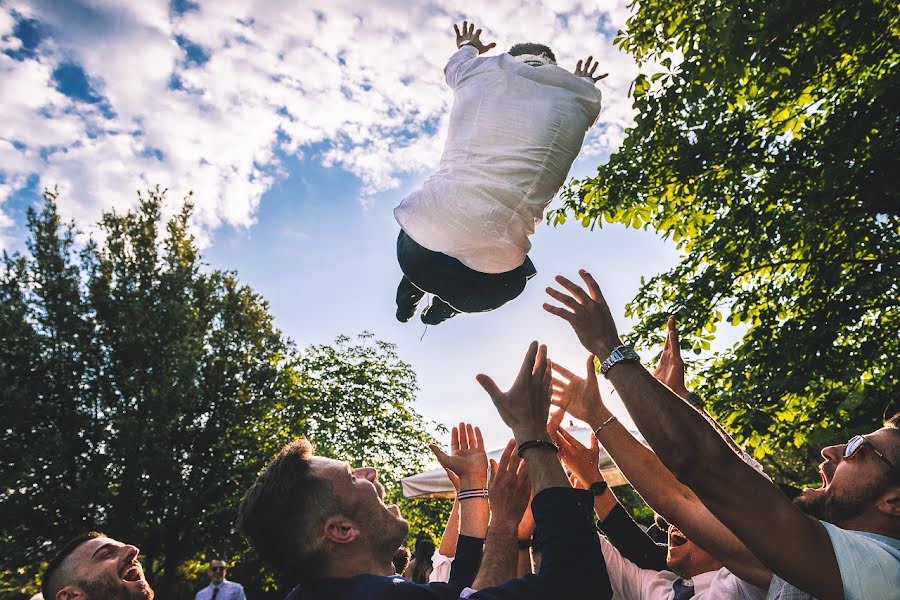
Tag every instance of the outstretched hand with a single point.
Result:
(471, 35)
(670, 370)
(588, 71)
(467, 459)
(578, 396)
(510, 488)
(524, 408)
(588, 314)
(582, 461)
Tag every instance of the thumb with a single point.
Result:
(595, 445)
(441, 456)
(490, 387)
(591, 375)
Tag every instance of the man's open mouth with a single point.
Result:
(132, 572)
(677, 539)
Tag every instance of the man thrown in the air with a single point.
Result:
(517, 124)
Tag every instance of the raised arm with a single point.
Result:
(571, 562)
(651, 479)
(786, 541)
(510, 491)
(469, 47)
(468, 460)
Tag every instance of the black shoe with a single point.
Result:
(438, 312)
(406, 309)
(408, 297)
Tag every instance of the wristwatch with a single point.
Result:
(619, 354)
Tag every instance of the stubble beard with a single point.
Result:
(114, 590)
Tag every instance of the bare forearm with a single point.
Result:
(474, 513)
(604, 503)
(500, 561)
(451, 532)
(681, 437)
(544, 468)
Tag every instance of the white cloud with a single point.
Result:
(362, 81)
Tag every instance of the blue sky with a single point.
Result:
(298, 132)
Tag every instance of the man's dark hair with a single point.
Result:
(532, 48)
(49, 587)
(893, 421)
(279, 510)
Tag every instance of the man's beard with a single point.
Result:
(827, 506)
(106, 589)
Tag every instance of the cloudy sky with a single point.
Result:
(299, 126)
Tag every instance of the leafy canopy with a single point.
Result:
(142, 392)
(765, 147)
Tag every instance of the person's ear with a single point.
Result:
(340, 530)
(70, 593)
(889, 503)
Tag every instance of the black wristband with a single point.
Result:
(598, 488)
(536, 444)
(525, 544)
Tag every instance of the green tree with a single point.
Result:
(768, 154)
(143, 392)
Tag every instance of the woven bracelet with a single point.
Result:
(477, 493)
(536, 444)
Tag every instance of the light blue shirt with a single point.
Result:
(228, 590)
(869, 563)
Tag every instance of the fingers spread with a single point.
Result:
(559, 312)
(592, 286)
(563, 298)
(564, 372)
(574, 289)
(527, 367)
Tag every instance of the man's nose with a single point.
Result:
(834, 453)
(132, 552)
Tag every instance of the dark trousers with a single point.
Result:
(464, 289)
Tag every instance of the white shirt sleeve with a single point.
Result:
(440, 568)
(459, 63)
(627, 579)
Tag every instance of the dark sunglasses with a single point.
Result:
(217, 568)
(857, 442)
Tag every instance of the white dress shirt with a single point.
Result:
(514, 132)
(228, 590)
(630, 582)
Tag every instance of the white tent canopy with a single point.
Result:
(436, 484)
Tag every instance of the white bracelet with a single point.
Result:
(604, 424)
(466, 43)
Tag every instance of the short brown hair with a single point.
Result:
(278, 513)
(50, 586)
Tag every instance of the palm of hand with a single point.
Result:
(467, 460)
(579, 395)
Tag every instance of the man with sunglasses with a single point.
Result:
(220, 588)
(839, 541)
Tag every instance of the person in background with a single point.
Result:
(401, 560)
(220, 588)
(419, 569)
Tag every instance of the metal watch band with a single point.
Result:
(619, 354)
